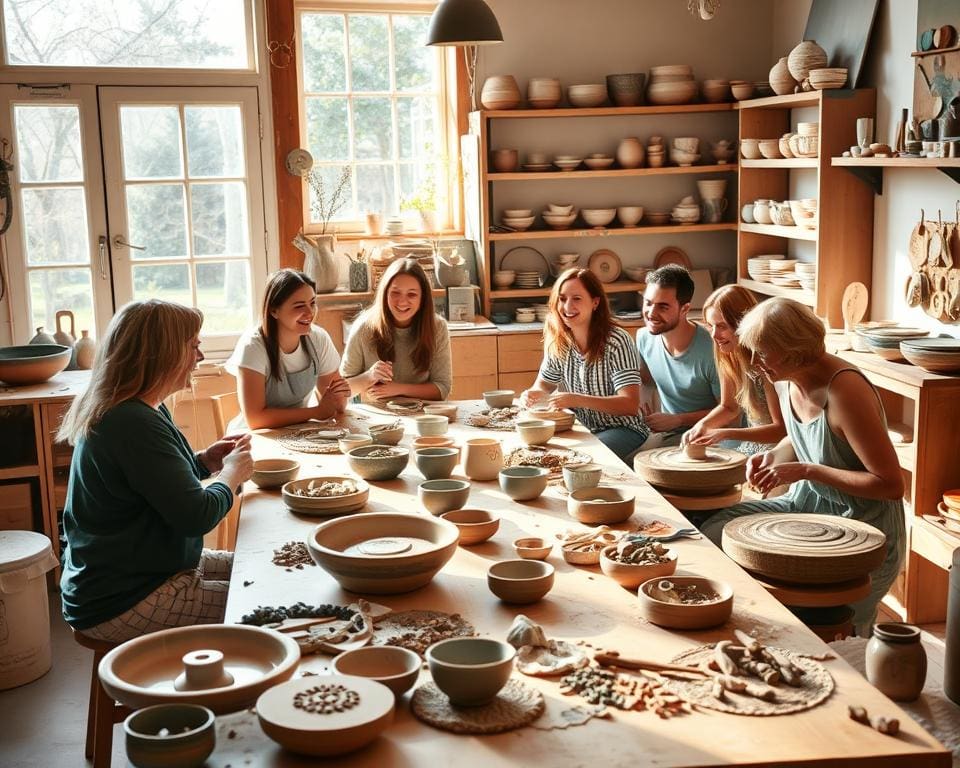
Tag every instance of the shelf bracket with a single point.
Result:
(952, 171)
(871, 176)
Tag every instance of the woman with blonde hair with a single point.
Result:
(399, 346)
(837, 456)
(136, 511)
(590, 364)
(743, 389)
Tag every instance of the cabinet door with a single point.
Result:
(519, 352)
(474, 355)
(517, 381)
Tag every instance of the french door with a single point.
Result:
(171, 207)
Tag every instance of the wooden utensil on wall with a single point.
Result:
(855, 300)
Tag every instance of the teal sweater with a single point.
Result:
(135, 512)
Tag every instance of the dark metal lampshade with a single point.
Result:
(463, 22)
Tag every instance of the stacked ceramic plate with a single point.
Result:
(885, 342)
(783, 273)
(760, 269)
(939, 355)
(567, 162)
(672, 84)
(949, 509)
(541, 311)
(806, 274)
(686, 211)
(525, 315)
(527, 279)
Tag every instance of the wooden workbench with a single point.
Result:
(583, 605)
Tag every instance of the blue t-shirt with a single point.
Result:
(687, 382)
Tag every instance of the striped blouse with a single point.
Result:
(618, 368)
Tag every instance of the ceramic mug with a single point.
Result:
(482, 458)
(578, 476)
(746, 213)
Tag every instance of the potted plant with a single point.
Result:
(319, 262)
(424, 201)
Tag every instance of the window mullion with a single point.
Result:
(188, 204)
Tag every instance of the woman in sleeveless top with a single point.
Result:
(837, 456)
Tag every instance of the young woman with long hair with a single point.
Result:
(136, 511)
(399, 346)
(590, 364)
(744, 390)
(286, 362)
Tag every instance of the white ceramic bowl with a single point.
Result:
(429, 425)
(560, 208)
(598, 217)
(499, 398)
(517, 213)
(630, 215)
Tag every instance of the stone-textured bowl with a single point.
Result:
(536, 431)
(475, 525)
(32, 363)
(395, 667)
(577, 476)
(386, 567)
(520, 581)
(382, 436)
(378, 467)
(602, 505)
(272, 473)
(353, 440)
(181, 735)
(431, 425)
(436, 463)
(678, 616)
(499, 398)
(471, 670)
(632, 575)
(532, 548)
(523, 483)
(439, 496)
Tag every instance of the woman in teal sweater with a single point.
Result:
(136, 511)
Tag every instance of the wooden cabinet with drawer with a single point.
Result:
(518, 359)
(474, 359)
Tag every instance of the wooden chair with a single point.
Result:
(102, 711)
(225, 407)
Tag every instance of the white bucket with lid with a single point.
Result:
(25, 558)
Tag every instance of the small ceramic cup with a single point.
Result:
(578, 476)
(170, 734)
(431, 425)
(436, 463)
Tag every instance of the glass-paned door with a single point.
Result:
(185, 201)
(57, 250)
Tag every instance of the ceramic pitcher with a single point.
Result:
(67, 338)
(482, 458)
(319, 261)
(896, 663)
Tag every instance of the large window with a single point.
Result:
(374, 114)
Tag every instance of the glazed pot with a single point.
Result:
(482, 458)
(896, 663)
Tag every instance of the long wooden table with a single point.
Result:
(583, 605)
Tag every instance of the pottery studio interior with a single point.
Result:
(394, 382)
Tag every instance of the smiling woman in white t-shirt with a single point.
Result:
(282, 363)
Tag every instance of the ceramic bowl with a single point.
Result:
(597, 161)
(657, 218)
(436, 463)
(293, 496)
(603, 505)
(470, 670)
(636, 274)
(742, 91)
(687, 144)
(517, 213)
(631, 575)
(630, 215)
(431, 425)
(520, 581)
(626, 90)
(432, 441)
(590, 95)
(577, 476)
(475, 525)
(750, 149)
(560, 209)
(165, 735)
(441, 409)
(272, 473)
(532, 548)
(499, 398)
(770, 149)
(559, 220)
(439, 496)
(679, 616)
(353, 440)
(523, 483)
(682, 157)
(395, 667)
(504, 279)
(32, 363)
(383, 553)
(505, 160)
(679, 92)
(378, 467)
(143, 671)
(536, 431)
(715, 91)
(598, 217)
(333, 733)
(386, 434)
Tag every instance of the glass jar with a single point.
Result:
(896, 663)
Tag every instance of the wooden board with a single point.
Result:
(843, 31)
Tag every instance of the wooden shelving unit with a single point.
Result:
(618, 286)
(668, 229)
(844, 237)
(871, 169)
(613, 173)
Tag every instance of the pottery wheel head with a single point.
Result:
(385, 546)
(799, 532)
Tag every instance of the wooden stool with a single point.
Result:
(102, 711)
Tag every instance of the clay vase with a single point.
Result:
(500, 92)
(781, 80)
(896, 663)
(482, 458)
(67, 338)
(85, 350)
(630, 152)
(319, 260)
(42, 337)
(806, 56)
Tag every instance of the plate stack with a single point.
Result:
(806, 274)
(685, 212)
(527, 279)
(541, 311)
(949, 510)
(760, 267)
(939, 355)
(885, 342)
(567, 162)
(783, 273)
(671, 84)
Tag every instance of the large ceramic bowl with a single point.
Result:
(33, 363)
(523, 483)
(520, 581)
(471, 670)
(144, 671)
(475, 525)
(395, 667)
(499, 398)
(598, 217)
(378, 462)
(324, 506)
(680, 616)
(602, 505)
(329, 733)
(181, 735)
(439, 496)
(272, 473)
(383, 553)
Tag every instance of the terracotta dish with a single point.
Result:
(520, 581)
(395, 667)
(686, 616)
(32, 363)
(602, 505)
(475, 525)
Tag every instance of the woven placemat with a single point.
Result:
(816, 685)
(311, 440)
(515, 706)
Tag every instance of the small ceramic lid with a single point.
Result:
(21, 549)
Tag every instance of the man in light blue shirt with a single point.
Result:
(676, 355)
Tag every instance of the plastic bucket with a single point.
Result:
(25, 558)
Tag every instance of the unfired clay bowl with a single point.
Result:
(475, 525)
(675, 616)
(536, 431)
(168, 735)
(523, 483)
(602, 505)
(383, 436)
(632, 575)
(378, 467)
(499, 398)
(395, 667)
(383, 553)
(439, 496)
(471, 670)
(272, 473)
(532, 548)
(436, 463)
(32, 363)
(353, 440)
(520, 581)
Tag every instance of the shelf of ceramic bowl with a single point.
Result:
(773, 230)
(614, 173)
(666, 109)
(783, 162)
(619, 286)
(769, 289)
(667, 229)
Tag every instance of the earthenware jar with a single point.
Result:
(781, 80)
(896, 663)
(630, 152)
(482, 458)
(806, 56)
(86, 350)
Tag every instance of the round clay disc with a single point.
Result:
(385, 546)
(672, 469)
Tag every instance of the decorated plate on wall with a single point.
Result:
(605, 264)
(672, 255)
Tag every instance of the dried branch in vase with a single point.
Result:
(325, 201)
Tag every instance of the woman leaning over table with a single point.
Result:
(399, 347)
(590, 364)
(136, 512)
(743, 388)
(286, 362)
(837, 456)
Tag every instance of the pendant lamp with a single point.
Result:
(463, 22)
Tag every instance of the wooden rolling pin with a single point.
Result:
(614, 659)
